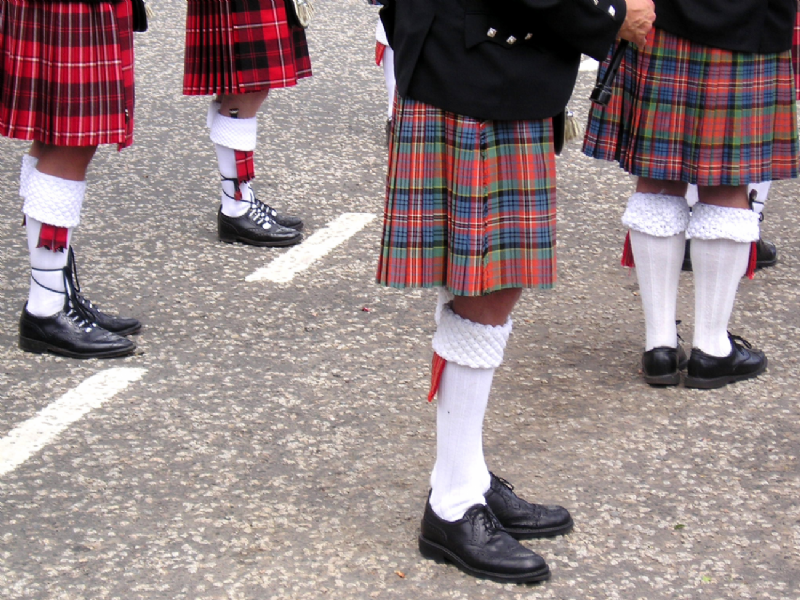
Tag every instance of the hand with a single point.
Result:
(638, 21)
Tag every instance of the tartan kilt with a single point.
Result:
(242, 46)
(682, 111)
(470, 204)
(66, 72)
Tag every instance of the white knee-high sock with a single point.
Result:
(657, 223)
(658, 268)
(721, 244)
(472, 351)
(47, 291)
(718, 267)
(762, 191)
(460, 476)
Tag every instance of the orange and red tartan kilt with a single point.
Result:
(242, 46)
(66, 72)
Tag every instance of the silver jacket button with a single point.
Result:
(492, 32)
(511, 39)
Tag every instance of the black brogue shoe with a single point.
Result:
(70, 333)
(521, 519)
(709, 372)
(478, 545)
(661, 366)
(766, 254)
(112, 323)
(287, 221)
(255, 228)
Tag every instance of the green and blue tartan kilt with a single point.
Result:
(682, 111)
(470, 204)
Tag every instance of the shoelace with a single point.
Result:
(76, 284)
(74, 310)
(735, 338)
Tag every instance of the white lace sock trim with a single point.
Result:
(238, 134)
(468, 343)
(54, 200)
(658, 215)
(710, 222)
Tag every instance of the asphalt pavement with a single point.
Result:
(275, 441)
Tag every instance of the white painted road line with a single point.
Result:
(29, 437)
(299, 258)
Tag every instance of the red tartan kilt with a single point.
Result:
(242, 46)
(44, 49)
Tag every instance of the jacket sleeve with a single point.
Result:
(589, 26)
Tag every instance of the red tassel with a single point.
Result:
(751, 265)
(53, 238)
(380, 50)
(437, 368)
(627, 253)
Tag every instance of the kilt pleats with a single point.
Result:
(470, 204)
(242, 46)
(66, 73)
(682, 111)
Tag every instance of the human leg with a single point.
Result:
(56, 318)
(242, 217)
(722, 229)
(657, 216)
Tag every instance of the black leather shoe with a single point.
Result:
(287, 221)
(255, 228)
(710, 372)
(477, 545)
(661, 366)
(523, 520)
(766, 255)
(70, 333)
(112, 323)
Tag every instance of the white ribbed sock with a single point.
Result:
(43, 302)
(718, 266)
(658, 267)
(460, 476)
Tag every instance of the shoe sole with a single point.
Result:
(439, 553)
(713, 383)
(126, 332)
(39, 347)
(278, 244)
(663, 380)
(532, 534)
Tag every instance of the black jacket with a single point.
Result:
(754, 26)
(497, 59)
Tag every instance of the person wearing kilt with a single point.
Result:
(237, 51)
(44, 47)
(470, 210)
(709, 100)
